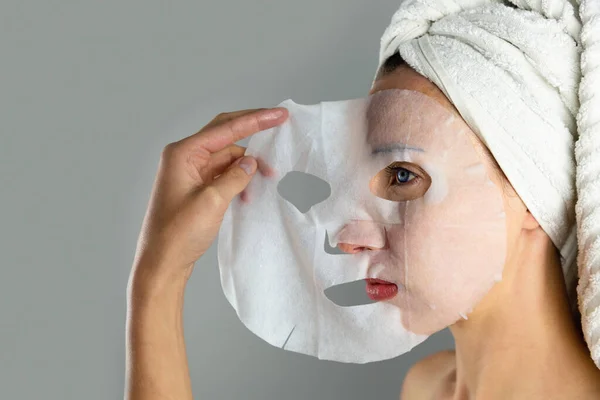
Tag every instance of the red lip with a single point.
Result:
(380, 290)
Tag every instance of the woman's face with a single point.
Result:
(445, 255)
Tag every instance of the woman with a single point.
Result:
(521, 341)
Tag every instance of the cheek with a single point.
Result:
(446, 269)
(446, 262)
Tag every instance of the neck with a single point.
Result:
(522, 342)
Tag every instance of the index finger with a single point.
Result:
(218, 137)
(224, 117)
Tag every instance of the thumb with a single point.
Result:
(235, 179)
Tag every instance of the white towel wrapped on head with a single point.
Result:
(525, 75)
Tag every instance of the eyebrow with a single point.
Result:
(396, 147)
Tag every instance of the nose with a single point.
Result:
(358, 236)
(355, 248)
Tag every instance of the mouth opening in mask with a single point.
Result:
(361, 292)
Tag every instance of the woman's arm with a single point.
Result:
(197, 179)
(156, 359)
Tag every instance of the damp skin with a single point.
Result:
(447, 251)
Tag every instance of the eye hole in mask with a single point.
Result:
(303, 190)
(400, 181)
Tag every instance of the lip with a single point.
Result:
(379, 290)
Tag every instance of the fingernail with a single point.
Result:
(248, 164)
(272, 115)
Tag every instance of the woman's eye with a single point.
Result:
(399, 176)
(397, 182)
(403, 176)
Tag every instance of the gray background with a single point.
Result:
(90, 92)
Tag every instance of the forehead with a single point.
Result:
(412, 119)
(405, 77)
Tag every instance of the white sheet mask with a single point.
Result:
(438, 235)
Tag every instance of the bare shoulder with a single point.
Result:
(429, 376)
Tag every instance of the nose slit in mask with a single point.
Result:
(329, 249)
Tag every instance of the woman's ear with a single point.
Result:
(529, 222)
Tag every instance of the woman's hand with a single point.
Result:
(197, 178)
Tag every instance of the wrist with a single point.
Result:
(149, 282)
